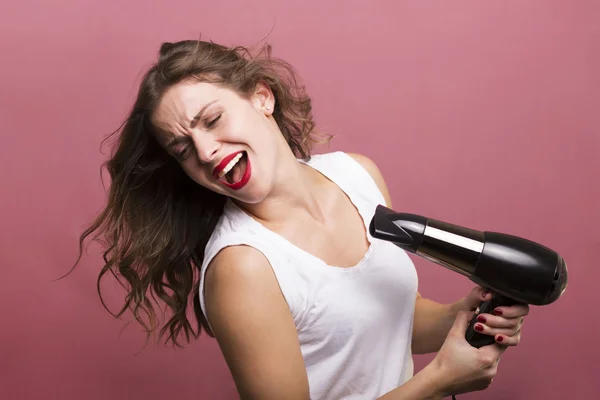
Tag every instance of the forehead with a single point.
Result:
(182, 101)
(180, 104)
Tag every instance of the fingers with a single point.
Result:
(515, 311)
(507, 336)
(494, 321)
(481, 293)
(508, 340)
(505, 325)
(476, 297)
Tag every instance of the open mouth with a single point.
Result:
(237, 171)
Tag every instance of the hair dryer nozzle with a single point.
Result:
(404, 230)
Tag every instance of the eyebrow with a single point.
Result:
(176, 140)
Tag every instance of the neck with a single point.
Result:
(294, 196)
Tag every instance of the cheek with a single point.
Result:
(246, 127)
(240, 130)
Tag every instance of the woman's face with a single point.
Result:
(225, 142)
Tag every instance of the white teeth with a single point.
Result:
(230, 165)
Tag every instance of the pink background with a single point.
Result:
(484, 114)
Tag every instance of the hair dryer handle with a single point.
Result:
(477, 339)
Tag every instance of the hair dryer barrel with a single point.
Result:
(517, 268)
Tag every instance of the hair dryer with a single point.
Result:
(514, 269)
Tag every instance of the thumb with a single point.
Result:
(461, 322)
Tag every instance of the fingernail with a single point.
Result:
(478, 328)
(481, 318)
(498, 312)
(499, 338)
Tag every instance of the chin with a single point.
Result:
(253, 193)
(251, 196)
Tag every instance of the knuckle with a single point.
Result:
(486, 361)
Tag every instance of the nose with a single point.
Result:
(207, 147)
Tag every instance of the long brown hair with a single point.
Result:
(157, 221)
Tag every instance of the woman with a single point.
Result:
(215, 192)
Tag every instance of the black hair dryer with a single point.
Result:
(514, 269)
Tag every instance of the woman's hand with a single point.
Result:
(504, 324)
(459, 367)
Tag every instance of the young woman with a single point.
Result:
(215, 193)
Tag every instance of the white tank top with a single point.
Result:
(354, 324)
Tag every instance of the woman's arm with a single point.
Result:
(432, 322)
(253, 326)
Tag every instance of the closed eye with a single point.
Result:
(213, 121)
(179, 147)
(182, 154)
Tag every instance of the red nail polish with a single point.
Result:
(478, 328)
(481, 318)
(500, 338)
(498, 312)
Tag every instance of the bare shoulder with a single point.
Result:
(375, 173)
(234, 262)
(253, 326)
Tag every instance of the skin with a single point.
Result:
(249, 316)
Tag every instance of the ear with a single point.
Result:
(263, 99)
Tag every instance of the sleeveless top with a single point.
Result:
(354, 324)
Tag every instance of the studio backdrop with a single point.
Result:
(484, 114)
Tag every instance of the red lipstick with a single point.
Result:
(245, 178)
(223, 164)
